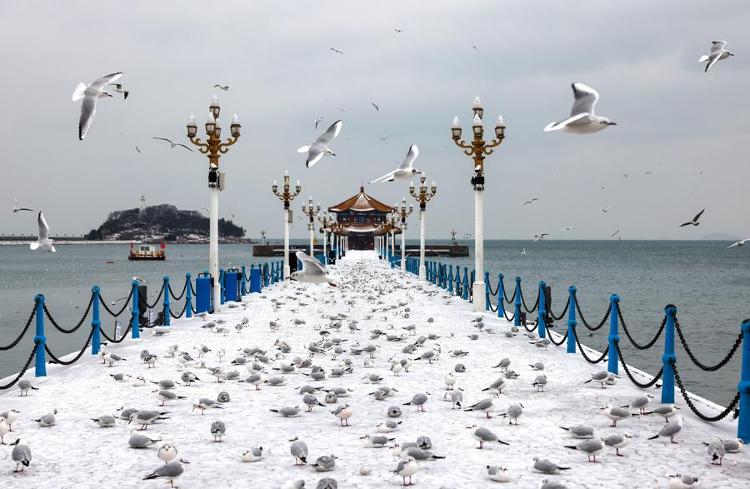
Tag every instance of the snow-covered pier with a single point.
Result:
(347, 339)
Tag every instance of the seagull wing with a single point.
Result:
(698, 216)
(690, 223)
(43, 227)
(734, 244)
(388, 177)
(106, 80)
(585, 99)
(187, 148)
(332, 131)
(314, 154)
(712, 60)
(411, 155)
(717, 46)
(556, 126)
(88, 110)
(310, 265)
(163, 139)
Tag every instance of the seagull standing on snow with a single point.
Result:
(717, 53)
(405, 169)
(694, 222)
(43, 241)
(312, 271)
(90, 94)
(319, 147)
(582, 118)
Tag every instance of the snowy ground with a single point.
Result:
(77, 453)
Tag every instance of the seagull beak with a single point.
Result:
(611, 123)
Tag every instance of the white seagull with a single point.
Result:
(312, 271)
(18, 209)
(319, 147)
(89, 94)
(582, 118)
(43, 241)
(717, 52)
(405, 169)
(606, 209)
(530, 201)
(739, 243)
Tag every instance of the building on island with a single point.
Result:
(361, 215)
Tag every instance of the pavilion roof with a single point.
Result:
(361, 202)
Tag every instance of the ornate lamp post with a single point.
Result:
(286, 195)
(403, 212)
(478, 149)
(325, 220)
(214, 147)
(392, 221)
(422, 195)
(311, 211)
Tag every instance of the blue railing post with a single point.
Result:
(188, 297)
(614, 334)
(500, 296)
(572, 319)
(743, 424)
(668, 359)
(542, 311)
(450, 280)
(465, 284)
(135, 331)
(222, 298)
(96, 324)
(517, 303)
(487, 302)
(167, 316)
(243, 282)
(40, 339)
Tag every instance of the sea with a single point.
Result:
(708, 283)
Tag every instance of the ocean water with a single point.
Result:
(709, 284)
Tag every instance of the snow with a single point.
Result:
(77, 453)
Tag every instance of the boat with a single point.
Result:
(146, 252)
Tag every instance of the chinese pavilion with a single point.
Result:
(361, 215)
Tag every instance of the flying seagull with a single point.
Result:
(398, 30)
(43, 241)
(312, 271)
(319, 147)
(567, 228)
(582, 118)
(17, 209)
(717, 53)
(138, 149)
(539, 237)
(375, 105)
(614, 234)
(336, 51)
(318, 121)
(694, 222)
(739, 243)
(173, 144)
(523, 251)
(223, 87)
(89, 94)
(405, 169)
(530, 201)
(606, 209)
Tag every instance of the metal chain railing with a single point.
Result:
(692, 407)
(512, 298)
(124, 334)
(54, 359)
(508, 318)
(586, 357)
(106, 308)
(177, 298)
(642, 385)
(698, 363)
(585, 323)
(13, 343)
(562, 314)
(534, 307)
(21, 373)
(489, 287)
(74, 328)
(562, 340)
(637, 345)
(142, 297)
(178, 316)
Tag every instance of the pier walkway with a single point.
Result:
(77, 453)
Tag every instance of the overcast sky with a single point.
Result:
(688, 127)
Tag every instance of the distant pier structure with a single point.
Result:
(361, 217)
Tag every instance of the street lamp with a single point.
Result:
(286, 195)
(422, 195)
(325, 220)
(214, 147)
(311, 211)
(403, 212)
(478, 149)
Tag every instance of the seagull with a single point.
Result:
(375, 105)
(717, 53)
(18, 209)
(739, 243)
(312, 271)
(222, 87)
(523, 251)
(539, 237)
(21, 455)
(606, 209)
(89, 94)
(336, 51)
(138, 149)
(405, 169)
(319, 147)
(567, 228)
(694, 222)
(682, 481)
(317, 121)
(398, 30)
(172, 143)
(614, 234)
(582, 118)
(43, 241)
(170, 471)
(406, 468)
(530, 201)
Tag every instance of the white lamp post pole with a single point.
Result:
(311, 211)
(423, 194)
(286, 195)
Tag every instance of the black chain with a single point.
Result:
(142, 297)
(489, 286)
(74, 328)
(562, 315)
(54, 359)
(21, 373)
(106, 308)
(583, 352)
(112, 340)
(630, 376)
(492, 309)
(700, 365)
(192, 289)
(635, 343)
(180, 314)
(536, 304)
(510, 301)
(529, 329)
(562, 340)
(583, 319)
(193, 309)
(511, 318)
(690, 404)
(12, 344)
(177, 298)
